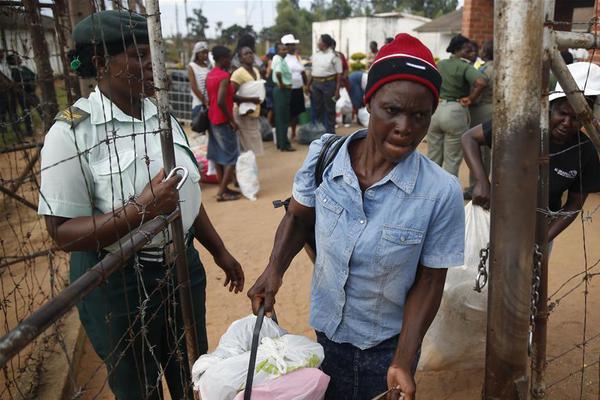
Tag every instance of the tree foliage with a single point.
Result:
(231, 34)
(426, 8)
(198, 25)
(291, 18)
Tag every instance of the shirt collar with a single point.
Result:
(403, 175)
(102, 110)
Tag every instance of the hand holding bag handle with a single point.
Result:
(254, 350)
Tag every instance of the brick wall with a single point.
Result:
(478, 20)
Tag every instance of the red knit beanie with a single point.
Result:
(405, 58)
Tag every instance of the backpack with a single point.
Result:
(329, 151)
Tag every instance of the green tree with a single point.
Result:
(230, 35)
(338, 9)
(295, 20)
(428, 8)
(198, 24)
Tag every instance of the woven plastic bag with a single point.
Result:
(246, 171)
(456, 338)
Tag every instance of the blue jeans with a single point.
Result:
(357, 374)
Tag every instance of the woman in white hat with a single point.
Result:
(299, 81)
(197, 70)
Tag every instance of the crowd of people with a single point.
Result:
(379, 268)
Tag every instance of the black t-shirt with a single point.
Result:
(566, 171)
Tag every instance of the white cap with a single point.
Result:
(289, 39)
(587, 76)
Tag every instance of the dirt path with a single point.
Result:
(248, 229)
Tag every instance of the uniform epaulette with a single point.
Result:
(72, 115)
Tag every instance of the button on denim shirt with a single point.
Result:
(369, 247)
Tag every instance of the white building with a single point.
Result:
(353, 35)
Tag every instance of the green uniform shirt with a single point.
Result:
(279, 65)
(458, 76)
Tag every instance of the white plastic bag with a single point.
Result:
(363, 116)
(221, 374)
(247, 174)
(456, 338)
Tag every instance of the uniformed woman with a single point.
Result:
(102, 177)
(462, 84)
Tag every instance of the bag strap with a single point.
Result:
(329, 151)
(254, 350)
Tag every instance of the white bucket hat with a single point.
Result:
(587, 76)
(289, 39)
(198, 47)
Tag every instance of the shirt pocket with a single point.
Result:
(398, 245)
(327, 213)
(113, 179)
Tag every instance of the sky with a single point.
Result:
(258, 13)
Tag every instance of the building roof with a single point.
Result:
(398, 14)
(450, 23)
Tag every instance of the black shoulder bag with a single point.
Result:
(330, 149)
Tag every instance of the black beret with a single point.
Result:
(114, 28)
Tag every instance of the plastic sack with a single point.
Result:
(221, 374)
(246, 171)
(456, 338)
(344, 103)
(309, 132)
(304, 384)
(363, 116)
(266, 130)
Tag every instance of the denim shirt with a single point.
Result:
(369, 247)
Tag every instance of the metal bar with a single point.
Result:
(518, 66)
(18, 147)
(26, 171)
(539, 363)
(18, 198)
(30, 256)
(576, 40)
(31, 327)
(575, 97)
(166, 140)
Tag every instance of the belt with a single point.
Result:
(448, 100)
(324, 79)
(164, 255)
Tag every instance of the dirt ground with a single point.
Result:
(248, 229)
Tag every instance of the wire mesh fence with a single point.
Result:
(100, 158)
(141, 336)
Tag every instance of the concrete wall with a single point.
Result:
(354, 34)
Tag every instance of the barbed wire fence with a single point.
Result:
(562, 368)
(35, 288)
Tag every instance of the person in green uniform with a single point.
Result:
(282, 78)
(102, 178)
(481, 110)
(462, 85)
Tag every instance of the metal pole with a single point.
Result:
(159, 70)
(575, 97)
(516, 136)
(78, 10)
(576, 40)
(539, 364)
(42, 62)
(31, 327)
